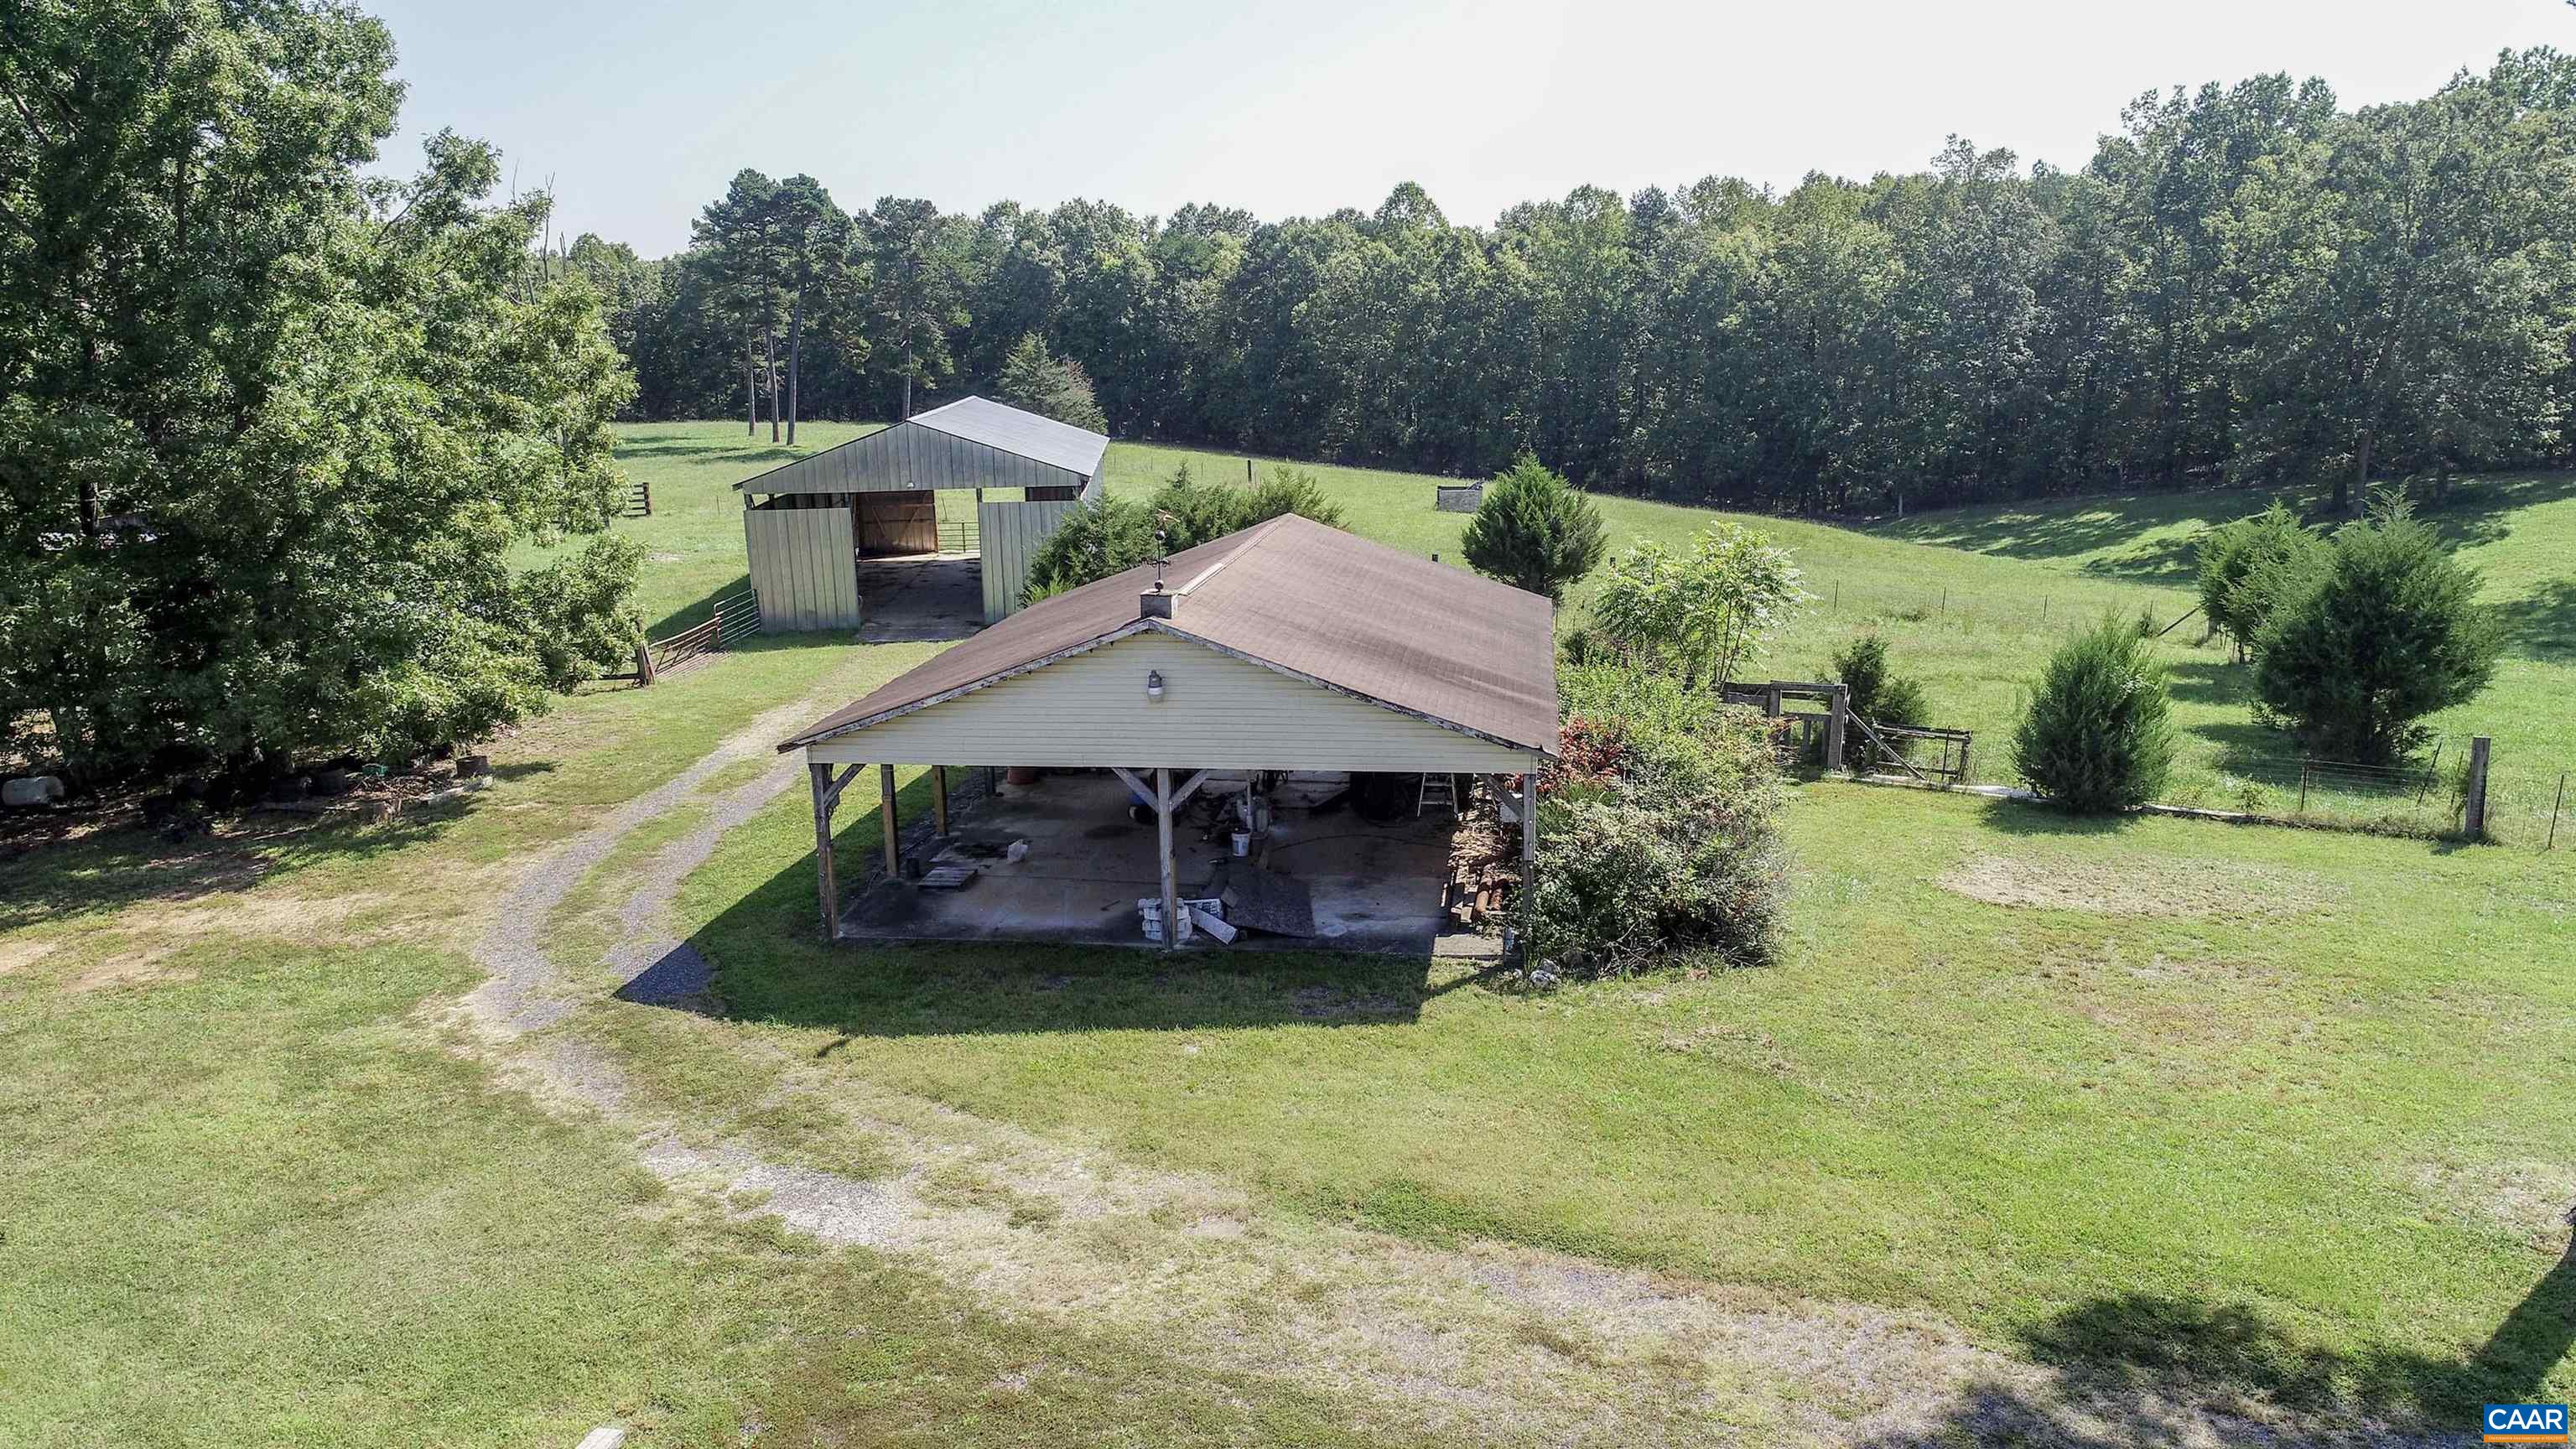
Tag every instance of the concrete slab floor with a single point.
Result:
(912, 597)
(1377, 888)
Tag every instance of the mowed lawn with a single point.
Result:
(2184, 1105)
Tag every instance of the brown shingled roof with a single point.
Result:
(1296, 595)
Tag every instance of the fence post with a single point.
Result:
(2474, 816)
(2303, 787)
(1839, 707)
(2553, 811)
(643, 663)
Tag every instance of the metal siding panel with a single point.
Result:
(1216, 713)
(801, 563)
(1010, 535)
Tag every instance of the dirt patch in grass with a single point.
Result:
(19, 955)
(301, 920)
(2172, 887)
(2205, 972)
(141, 968)
(2529, 1199)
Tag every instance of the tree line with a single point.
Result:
(2245, 283)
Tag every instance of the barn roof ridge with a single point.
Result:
(975, 419)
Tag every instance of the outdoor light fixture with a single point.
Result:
(1153, 684)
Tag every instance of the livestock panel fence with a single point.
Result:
(731, 619)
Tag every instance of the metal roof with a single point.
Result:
(1339, 610)
(998, 426)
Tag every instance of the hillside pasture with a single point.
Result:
(1973, 601)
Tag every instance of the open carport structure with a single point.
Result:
(809, 525)
(1287, 651)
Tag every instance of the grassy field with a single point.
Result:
(1976, 613)
(694, 538)
(2170, 1109)
(2517, 530)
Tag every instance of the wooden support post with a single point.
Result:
(827, 879)
(643, 662)
(1966, 739)
(939, 797)
(1771, 700)
(1529, 827)
(1525, 899)
(2474, 816)
(1837, 709)
(1171, 873)
(885, 809)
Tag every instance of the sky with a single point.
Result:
(637, 112)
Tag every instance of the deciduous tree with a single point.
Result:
(272, 434)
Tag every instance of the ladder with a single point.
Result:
(1440, 790)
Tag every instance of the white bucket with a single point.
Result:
(1243, 842)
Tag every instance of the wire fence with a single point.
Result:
(2527, 802)
(2078, 604)
(2530, 801)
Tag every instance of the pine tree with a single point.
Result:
(1533, 531)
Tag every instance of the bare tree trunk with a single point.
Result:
(769, 360)
(907, 378)
(2360, 472)
(750, 391)
(795, 364)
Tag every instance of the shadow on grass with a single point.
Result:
(2204, 681)
(2026, 817)
(2543, 623)
(702, 451)
(2142, 1368)
(2043, 531)
(2475, 511)
(698, 610)
(121, 864)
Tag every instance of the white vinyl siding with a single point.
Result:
(1217, 712)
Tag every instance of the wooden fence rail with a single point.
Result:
(1882, 746)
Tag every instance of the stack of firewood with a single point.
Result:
(1484, 867)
